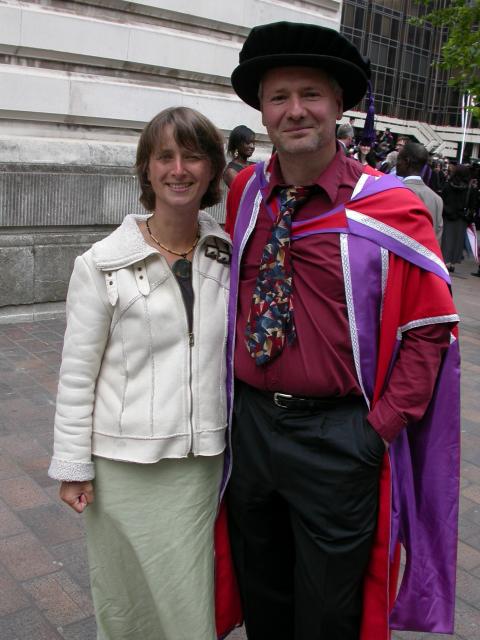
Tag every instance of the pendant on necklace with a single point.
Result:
(182, 268)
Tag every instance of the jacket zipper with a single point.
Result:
(191, 342)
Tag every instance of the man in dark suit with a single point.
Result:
(345, 136)
(411, 160)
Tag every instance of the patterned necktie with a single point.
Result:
(270, 321)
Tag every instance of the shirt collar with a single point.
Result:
(414, 178)
(328, 180)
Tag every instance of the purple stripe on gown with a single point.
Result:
(366, 277)
(296, 225)
(383, 183)
(241, 226)
(397, 247)
(262, 183)
(425, 461)
(426, 474)
(299, 236)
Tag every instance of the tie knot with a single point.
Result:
(293, 197)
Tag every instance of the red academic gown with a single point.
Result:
(410, 293)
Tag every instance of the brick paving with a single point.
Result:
(44, 592)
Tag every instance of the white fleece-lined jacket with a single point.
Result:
(134, 384)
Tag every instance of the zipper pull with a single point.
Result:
(191, 339)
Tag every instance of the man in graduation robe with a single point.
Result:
(343, 368)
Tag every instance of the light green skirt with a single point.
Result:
(150, 548)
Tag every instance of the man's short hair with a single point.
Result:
(416, 154)
(345, 131)
(391, 159)
(402, 139)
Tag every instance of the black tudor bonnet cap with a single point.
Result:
(292, 44)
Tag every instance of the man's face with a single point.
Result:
(300, 109)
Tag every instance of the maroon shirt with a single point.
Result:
(319, 362)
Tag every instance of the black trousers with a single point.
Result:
(302, 511)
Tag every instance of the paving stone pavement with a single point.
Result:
(44, 592)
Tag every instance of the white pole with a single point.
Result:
(466, 102)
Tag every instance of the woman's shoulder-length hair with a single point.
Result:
(191, 130)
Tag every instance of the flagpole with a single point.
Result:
(466, 102)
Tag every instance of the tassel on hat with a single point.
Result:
(369, 125)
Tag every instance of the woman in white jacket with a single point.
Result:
(141, 407)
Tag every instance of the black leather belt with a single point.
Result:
(287, 401)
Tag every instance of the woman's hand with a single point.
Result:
(77, 494)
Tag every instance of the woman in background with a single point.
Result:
(241, 145)
(457, 198)
(365, 155)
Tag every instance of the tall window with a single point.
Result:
(405, 83)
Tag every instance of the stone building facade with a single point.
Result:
(78, 81)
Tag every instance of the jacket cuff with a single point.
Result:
(386, 422)
(69, 471)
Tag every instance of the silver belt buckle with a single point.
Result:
(277, 398)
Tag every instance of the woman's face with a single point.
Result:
(364, 148)
(179, 177)
(246, 148)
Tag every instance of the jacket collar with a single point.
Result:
(126, 245)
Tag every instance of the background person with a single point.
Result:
(387, 137)
(457, 199)
(141, 407)
(345, 136)
(241, 146)
(381, 151)
(475, 185)
(365, 155)
(437, 178)
(411, 161)
(390, 163)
